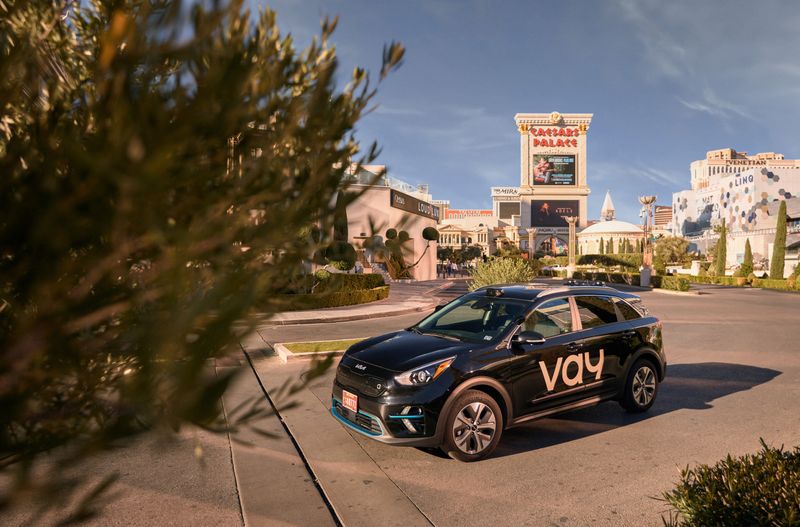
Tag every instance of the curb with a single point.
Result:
(286, 356)
(672, 292)
(350, 318)
(365, 316)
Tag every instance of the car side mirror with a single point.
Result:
(437, 308)
(527, 337)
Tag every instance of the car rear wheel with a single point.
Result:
(473, 427)
(641, 387)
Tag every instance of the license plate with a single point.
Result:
(350, 401)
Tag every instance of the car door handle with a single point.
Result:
(629, 333)
(574, 346)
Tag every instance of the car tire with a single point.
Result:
(473, 427)
(641, 387)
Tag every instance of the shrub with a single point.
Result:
(554, 260)
(675, 283)
(722, 251)
(769, 283)
(747, 263)
(501, 271)
(777, 263)
(629, 261)
(755, 489)
(355, 282)
(430, 234)
(333, 299)
(614, 278)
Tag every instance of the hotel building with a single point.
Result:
(743, 191)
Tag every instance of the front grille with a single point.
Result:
(365, 384)
(361, 420)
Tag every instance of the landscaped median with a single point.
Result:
(324, 289)
(673, 283)
(789, 284)
(290, 351)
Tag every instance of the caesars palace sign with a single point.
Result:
(555, 137)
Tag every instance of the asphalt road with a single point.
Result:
(733, 377)
(354, 329)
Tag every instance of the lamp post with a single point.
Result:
(571, 221)
(531, 243)
(647, 248)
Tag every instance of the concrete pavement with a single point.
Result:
(733, 377)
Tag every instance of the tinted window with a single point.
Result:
(551, 318)
(595, 311)
(628, 313)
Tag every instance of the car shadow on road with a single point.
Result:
(686, 386)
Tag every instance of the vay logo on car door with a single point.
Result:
(581, 360)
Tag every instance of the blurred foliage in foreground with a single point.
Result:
(162, 165)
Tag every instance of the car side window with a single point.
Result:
(595, 311)
(551, 318)
(628, 313)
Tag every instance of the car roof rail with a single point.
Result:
(582, 288)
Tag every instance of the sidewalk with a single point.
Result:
(404, 298)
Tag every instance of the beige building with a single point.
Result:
(388, 203)
(553, 181)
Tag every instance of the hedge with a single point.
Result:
(769, 283)
(335, 282)
(614, 278)
(332, 299)
(755, 489)
(675, 283)
(765, 283)
(627, 260)
(660, 282)
(353, 282)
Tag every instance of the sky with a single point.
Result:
(666, 82)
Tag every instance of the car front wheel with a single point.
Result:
(641, 387)
(473, 427)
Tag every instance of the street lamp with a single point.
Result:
(647, 248)
(571, 221)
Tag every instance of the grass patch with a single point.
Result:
(319, 347)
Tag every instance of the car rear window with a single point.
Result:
(628, 312)
(636, 303)
(595, 311)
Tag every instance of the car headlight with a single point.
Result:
(424, 374)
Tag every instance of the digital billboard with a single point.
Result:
(550, 213)
(553, 169)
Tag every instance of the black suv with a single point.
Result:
(498, 357)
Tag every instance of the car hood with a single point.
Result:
(405, 350)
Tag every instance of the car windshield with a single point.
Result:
(473, 318)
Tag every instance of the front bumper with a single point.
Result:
(383, 418)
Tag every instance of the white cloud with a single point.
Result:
(722, 59)
(384, 109)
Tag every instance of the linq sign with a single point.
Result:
(554, 136)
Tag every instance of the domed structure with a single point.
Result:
(616, 236)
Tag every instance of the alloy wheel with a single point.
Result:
(644, 386)
(474, 428)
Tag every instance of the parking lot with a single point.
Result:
(733, 378)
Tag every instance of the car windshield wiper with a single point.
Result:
(415, 329)
(441, 335)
